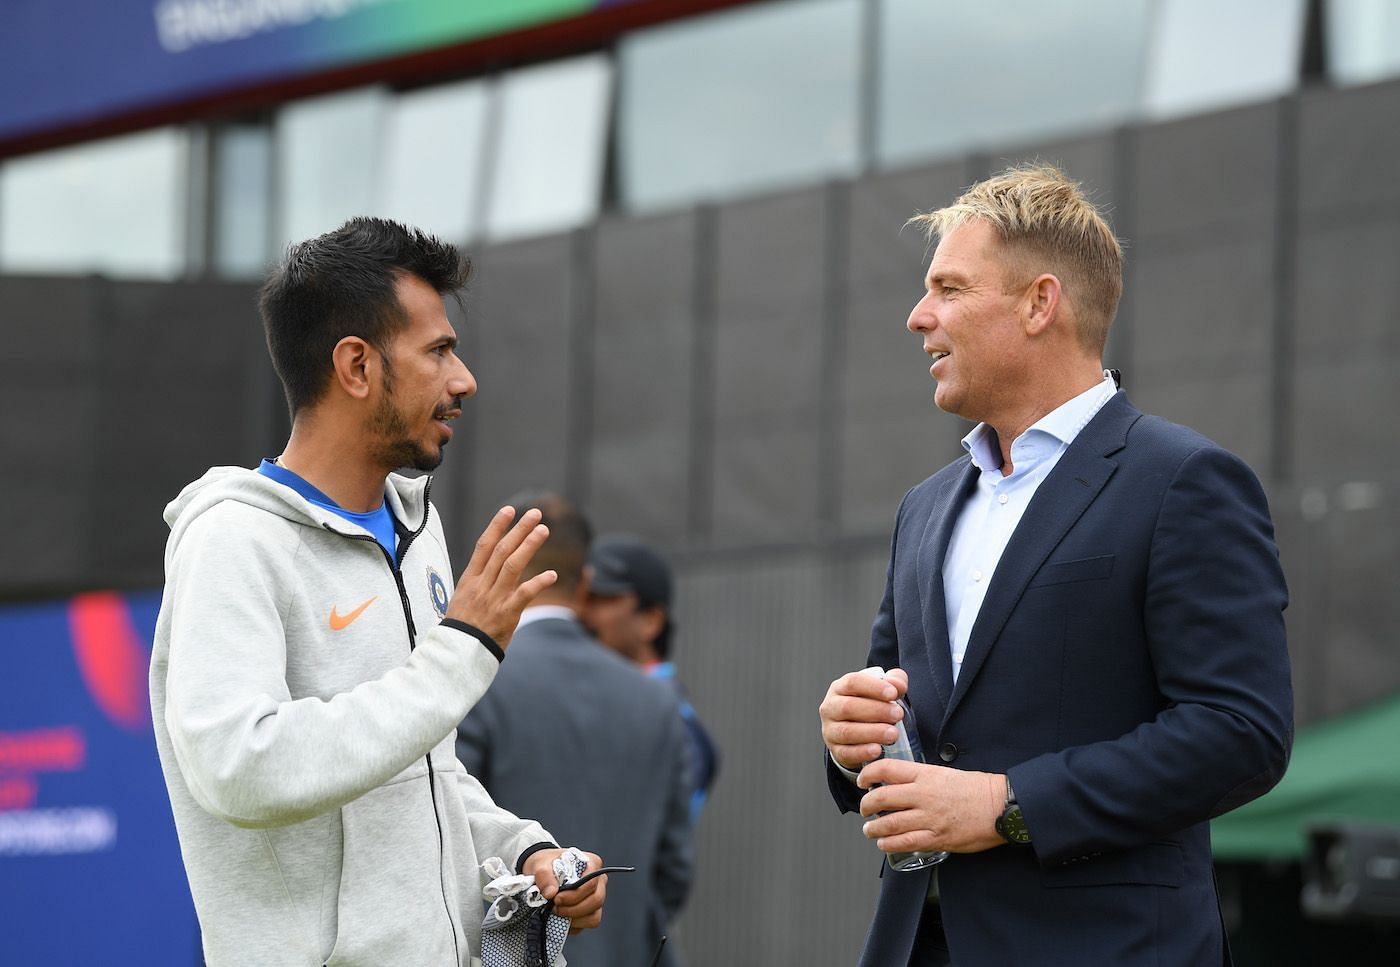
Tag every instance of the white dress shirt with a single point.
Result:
(985, 525)
(539, 612)
(991, 514)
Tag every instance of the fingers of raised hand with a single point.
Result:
(503, 559)
(520, 556)
(486, 543)
(531, 589)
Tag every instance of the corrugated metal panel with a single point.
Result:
(769, 345)
(643, 359)
(784, 879)
(524, 326)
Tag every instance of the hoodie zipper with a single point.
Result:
(396, 570)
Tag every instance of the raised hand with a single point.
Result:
(490, 594)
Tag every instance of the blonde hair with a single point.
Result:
(1048, 224)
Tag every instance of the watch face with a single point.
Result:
(1012, 826)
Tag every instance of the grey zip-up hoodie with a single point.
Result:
(296, 717)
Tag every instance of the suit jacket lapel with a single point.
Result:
(933, 549)
(1059, 501)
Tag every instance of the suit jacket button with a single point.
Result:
(947, 752)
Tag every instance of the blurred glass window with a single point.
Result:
(1208, 55)
(739, 102)
(328, 157)
(1363, 40)
(433, 155)
(955, 77)
(116, 206)
(551, 142)
(242, 199)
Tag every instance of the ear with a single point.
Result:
(355, 363)
(585, 584)
(653, 619)
(1042, 304)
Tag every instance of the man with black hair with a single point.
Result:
(310, 662)
(577, 736)
(629, 610)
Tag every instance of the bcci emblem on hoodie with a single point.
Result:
(437, 588)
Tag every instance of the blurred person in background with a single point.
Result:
(310, 664)
(1085, 613)
(629, 610)
(577, 736)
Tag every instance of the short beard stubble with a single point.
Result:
(393, 445)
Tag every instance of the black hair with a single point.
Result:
(662, 644)
(343, 284)
(566, 549)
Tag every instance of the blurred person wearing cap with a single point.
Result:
(629, 610)
(578, 737)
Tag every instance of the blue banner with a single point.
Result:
(69, 62)
(90, 869)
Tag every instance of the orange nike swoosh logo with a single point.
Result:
(339, 623)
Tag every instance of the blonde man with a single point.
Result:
(1084, 613)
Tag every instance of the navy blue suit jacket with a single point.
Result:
(1128, 670)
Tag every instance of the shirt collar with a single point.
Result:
(1063, 423)
(981, 446)
(540, 612)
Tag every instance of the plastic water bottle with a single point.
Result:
(902, 748)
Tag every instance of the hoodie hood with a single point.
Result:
(406, 497)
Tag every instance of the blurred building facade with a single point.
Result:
(687, 235)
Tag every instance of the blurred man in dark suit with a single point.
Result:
(629, 610)
(594, 746)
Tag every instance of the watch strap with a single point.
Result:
(1011, 824)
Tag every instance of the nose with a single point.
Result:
(462, 382)
(921, 316)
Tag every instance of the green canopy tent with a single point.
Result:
(1344, 769)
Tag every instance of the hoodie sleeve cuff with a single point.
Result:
(529, 852)
(479, 635)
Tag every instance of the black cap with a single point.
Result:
(625, 564)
